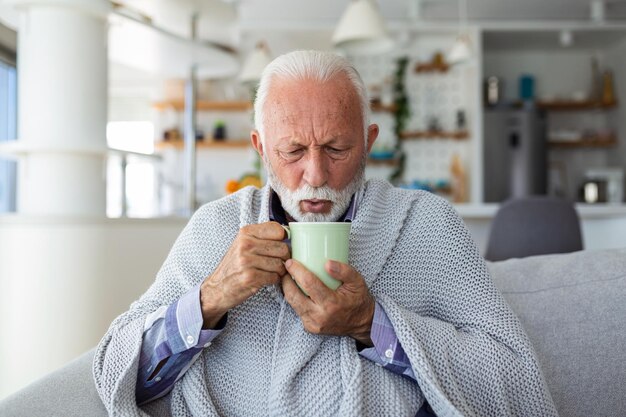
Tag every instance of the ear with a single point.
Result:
(255, 137)
(372, 134)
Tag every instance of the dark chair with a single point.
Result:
(534, 226)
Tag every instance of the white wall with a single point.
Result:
(547, 66)
(45, 321)
(128, 108)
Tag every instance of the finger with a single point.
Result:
(307, 280)
(340, 271)
(265, 263)
(271, 248)
(294, 296)
(268, 230)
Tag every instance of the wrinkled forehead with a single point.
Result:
(293, 102)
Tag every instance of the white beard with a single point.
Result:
(291, 199)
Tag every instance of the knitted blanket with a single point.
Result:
(468, 351)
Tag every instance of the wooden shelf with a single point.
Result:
(391, 162)
(425, 67)
(593, 142)
(203, 105)
(378, 107)
(225, 144)
(575, 105)
(424, 134)
(570, 105)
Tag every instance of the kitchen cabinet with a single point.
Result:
(583, 133)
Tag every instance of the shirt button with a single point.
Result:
(157, 379)
(190, 339)
(389, 353)
(207, 344)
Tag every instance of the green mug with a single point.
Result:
(313, 243)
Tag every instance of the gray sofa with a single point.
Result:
(572, 306)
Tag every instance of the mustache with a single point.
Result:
(306, 192)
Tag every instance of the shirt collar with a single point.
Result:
(277, 212)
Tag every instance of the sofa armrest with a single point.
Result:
(572, 308)
(68, 392)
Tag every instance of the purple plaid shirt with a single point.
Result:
(173, 336)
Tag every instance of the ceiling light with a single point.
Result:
(361, 30)
(255, 63)
(461, 50)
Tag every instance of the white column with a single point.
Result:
(62, 108)
(52, 262)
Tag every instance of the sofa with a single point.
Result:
(573, 307)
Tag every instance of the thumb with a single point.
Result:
(340, 271)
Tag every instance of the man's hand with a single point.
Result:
(348, 311)
(254, 260)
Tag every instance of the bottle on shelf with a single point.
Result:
(459, 180)
(596, 81)
(493, 90)
(608, 88)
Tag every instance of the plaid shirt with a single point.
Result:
(174, 334)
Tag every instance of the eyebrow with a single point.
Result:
(291, 141)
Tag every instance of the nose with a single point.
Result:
(316, 169)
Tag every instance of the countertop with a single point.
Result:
(585, 211)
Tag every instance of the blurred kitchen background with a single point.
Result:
(118, 119)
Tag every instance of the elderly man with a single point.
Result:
(416, 327)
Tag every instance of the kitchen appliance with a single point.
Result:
(613, 178)
(493, 91)
(593, 191)
(526, 87)
(514, 153)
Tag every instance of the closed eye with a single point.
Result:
(292, 155)
(337, 153)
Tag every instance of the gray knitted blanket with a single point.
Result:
(468, 351)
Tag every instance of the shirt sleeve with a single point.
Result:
(387, 351)
(173, 339)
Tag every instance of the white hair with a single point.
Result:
(313, 65)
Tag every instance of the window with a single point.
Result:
(8, 131)
(132, 187)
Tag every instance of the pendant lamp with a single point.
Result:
(361, 30)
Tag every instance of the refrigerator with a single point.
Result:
(514, 153)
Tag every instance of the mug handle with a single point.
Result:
(287, 230)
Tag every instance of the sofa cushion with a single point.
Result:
(573, 308)
(67, 392)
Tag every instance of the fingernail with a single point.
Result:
(287, 263)
(333, 266)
